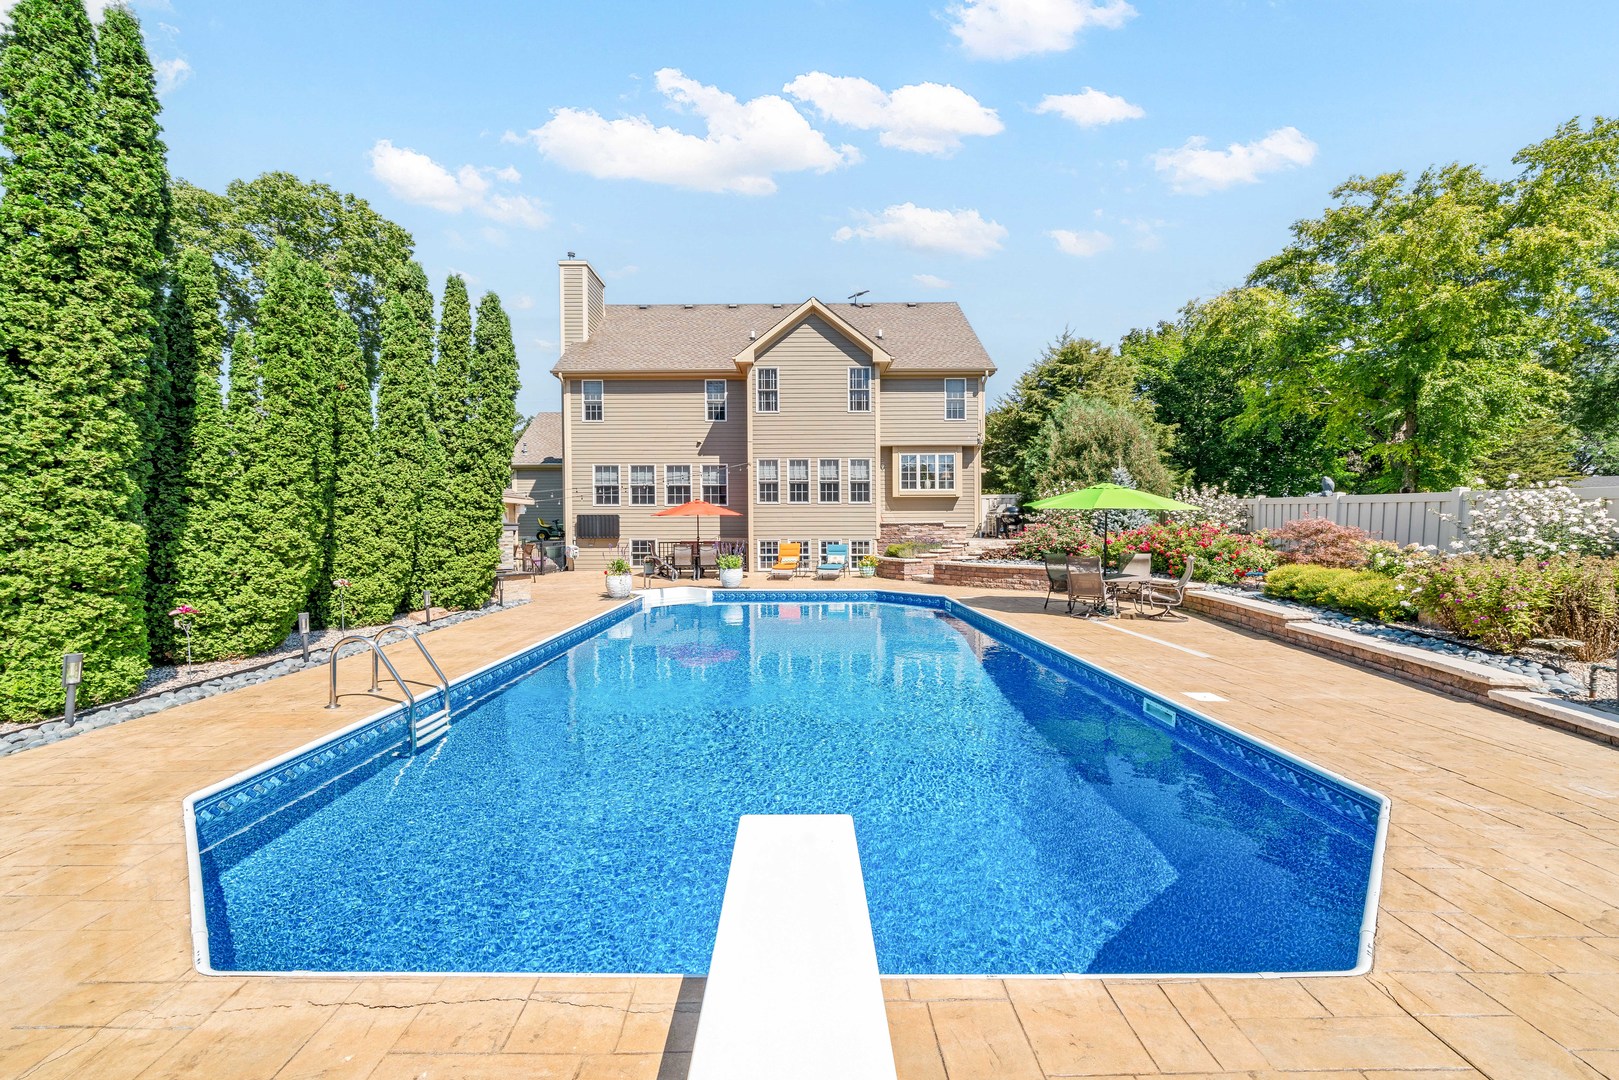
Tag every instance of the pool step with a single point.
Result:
(793, 990)
(429, 728)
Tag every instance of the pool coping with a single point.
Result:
(643, 600)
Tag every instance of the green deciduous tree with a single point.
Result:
(1440, 310)
(1084, 440)
(75, 327)
(1198, 373)
(352, 243)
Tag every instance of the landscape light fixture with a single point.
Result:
(500, 591)
(303, 632)
(427, 605)
(72, 676)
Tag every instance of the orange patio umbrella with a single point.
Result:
(699, 509)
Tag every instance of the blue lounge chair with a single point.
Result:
(836, 563)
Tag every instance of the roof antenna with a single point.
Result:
(855, 299)
(571, 255)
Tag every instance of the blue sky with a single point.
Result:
(1045, 163)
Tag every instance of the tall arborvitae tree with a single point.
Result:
(494, 364)
(287, 452)
(411, 475)
(358, 552)
(455, 415)
(71, 375)
(209, 541)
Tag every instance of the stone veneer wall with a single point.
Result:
(927, 534)
(903, 569)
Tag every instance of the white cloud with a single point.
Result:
(1195, 169)
(170, 74)
(1008, 29)
(930, 281)
(1082, 244)
(744, 144)
(1090, 108)
(523, 302)
(956, 232)
(417, 178)
(926, 118)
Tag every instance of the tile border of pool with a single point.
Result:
(515, 665)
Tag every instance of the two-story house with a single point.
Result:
(817, 423)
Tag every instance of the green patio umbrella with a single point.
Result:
(1109, 497)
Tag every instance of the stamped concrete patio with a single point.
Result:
(1497, 939)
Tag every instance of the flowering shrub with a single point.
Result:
(1391, 560)
(1534, 522)
(1221, 555)
(1502, 603)
(1365, 594)
(1215, 506)
(1320, 542)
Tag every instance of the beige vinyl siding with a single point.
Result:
(656, 422)
(913, 412)
(813, 421)
(543, 484)
(573, 305)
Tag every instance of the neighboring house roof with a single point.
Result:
(676, 338)
(541, 441)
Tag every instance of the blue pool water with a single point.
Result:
(1010, 819)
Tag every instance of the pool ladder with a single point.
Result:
(423, 729)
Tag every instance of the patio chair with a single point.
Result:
(786, 564)
(680, 558)
(1140, 565)
(1056, 577)
(836, 563)
(1086, 584)
(706, 556)
(1157, 597)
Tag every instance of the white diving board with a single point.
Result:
(793, 990)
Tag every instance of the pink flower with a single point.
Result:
(183, 609)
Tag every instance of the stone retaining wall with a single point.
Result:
(903, 569)
(978, 575)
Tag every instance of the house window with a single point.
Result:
(593, 399)
(606, 485)
(830, 486)
(859, 549)
(643, 485)
(769, 398)
(642, 550)
(927, 472)
(859, 389)
(798, 481)
(860, 480)
(676, 484)
(769, 553)
(714, 484)
(769, 482)
(955, 399)
(714, 391)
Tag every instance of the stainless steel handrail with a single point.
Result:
(376, 639)
(410, 698)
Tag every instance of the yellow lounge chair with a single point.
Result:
(786, 564)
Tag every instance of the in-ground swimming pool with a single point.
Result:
(1016, 811)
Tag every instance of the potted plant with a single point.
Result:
(730, 567)
(619, 578)
(868, 566)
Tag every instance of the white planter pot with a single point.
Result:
(618, 585)
(868, 571)
(731, 579)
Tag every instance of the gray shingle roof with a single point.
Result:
(702, 338)
(541, 441)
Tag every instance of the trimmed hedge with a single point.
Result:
(1362, 593)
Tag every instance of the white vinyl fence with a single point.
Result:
(1404, 519)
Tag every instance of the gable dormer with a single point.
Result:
(811, 308)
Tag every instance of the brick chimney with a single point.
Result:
(582, 307)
